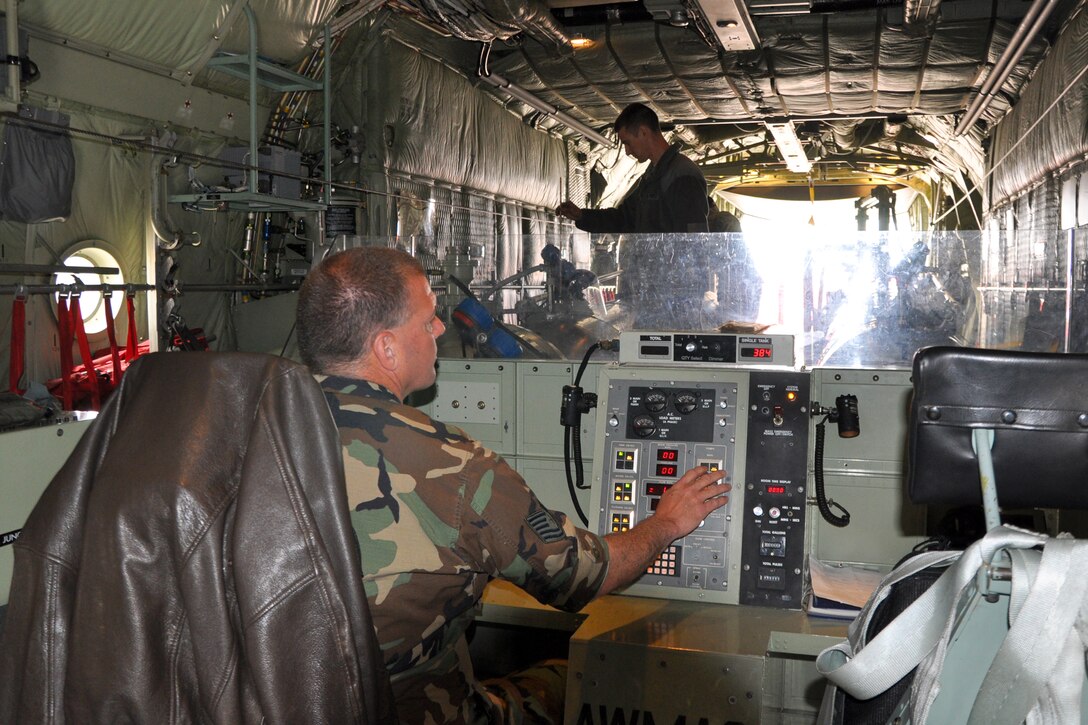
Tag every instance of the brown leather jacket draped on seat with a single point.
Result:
(194, 561)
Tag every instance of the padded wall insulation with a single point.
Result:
(1035, 139)
(436, 124)
(177, 35)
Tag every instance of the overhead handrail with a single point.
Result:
(176, 288)
(1025, 33)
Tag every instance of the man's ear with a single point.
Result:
(384, 350)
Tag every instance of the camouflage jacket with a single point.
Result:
(437, 516)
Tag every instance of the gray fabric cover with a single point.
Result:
(37, 168)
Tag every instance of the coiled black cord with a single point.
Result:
(572, 445)
(822, 501)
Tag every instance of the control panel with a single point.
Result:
(706, 348)
(774, 489)
(654, 423)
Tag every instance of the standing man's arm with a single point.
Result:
(570, 210)
(681, 509)
(595, 220)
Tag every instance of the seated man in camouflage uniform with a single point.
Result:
(437, 514)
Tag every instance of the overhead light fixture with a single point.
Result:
(579, 42)
(731, 23)
(789, 146)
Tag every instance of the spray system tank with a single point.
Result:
(490, 337)
(478, 327)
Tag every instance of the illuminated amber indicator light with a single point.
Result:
(621, 522)
(791, 396)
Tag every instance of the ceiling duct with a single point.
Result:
(845, 134)
(484, 21)
(919, 16)
(834, 6)
(789, 146)
(531, 16)
(586, 14)
(349, 15)
(497, 81)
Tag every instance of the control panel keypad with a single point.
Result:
(667, 563)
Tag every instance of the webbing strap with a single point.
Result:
(1035, 647)
(18, 344)
(115, 373)
(867, 669)
(132, 347)
(64, 329)
(85, 352)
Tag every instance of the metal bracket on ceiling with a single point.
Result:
(731, 23)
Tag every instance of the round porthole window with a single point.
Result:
(90, 301)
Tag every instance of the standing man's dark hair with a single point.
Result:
(637, 115)
(349, 298)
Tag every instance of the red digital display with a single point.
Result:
(775, 490)
(666, 469)
(761, 352)
(668, 454)
(656, 488)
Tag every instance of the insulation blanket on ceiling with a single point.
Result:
(859, 63)
(444, 128)
(1041, 134)
(690, 70)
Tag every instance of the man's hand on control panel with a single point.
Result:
(681, 509)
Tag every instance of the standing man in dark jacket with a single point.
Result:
(669, 197)
(662, 283)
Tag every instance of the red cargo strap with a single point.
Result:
(18, 343)
(132, 347)
(64, 330)
(115, 374)
(85, 353)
